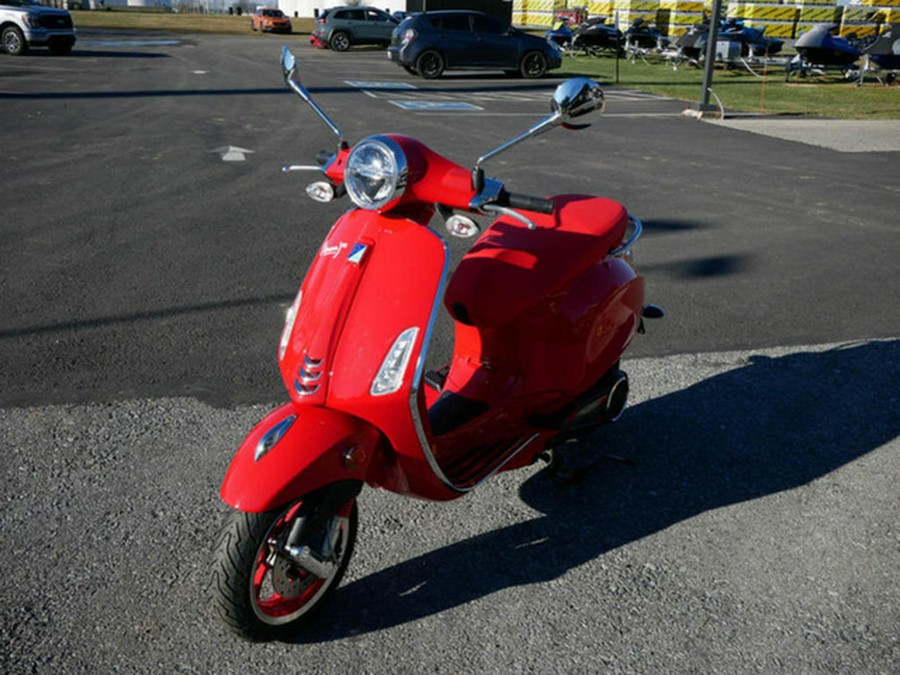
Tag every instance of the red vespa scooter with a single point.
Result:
(543, 306)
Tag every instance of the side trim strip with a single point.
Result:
(418, 381)
(272, 436)
(420, 369)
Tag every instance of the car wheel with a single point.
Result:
(339, 42)
(430, 64)
(13, 41)
(533, 65)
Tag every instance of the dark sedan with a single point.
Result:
(427, 44)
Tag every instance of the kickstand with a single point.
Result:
(563, 470)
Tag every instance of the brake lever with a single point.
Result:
(511, 213)
(486, 202)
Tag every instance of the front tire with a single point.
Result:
(262, 593)
(430, 64)
(13, 41)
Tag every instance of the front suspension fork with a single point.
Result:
(311, 542)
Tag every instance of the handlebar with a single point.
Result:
(489, 193)
(525, 202)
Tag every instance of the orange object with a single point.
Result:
(270, 20)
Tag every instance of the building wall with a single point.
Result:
(499, 8)
(309, 8)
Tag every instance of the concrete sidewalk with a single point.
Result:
(840, 135)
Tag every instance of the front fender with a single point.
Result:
(295, 450)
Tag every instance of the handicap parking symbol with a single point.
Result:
(433, 106)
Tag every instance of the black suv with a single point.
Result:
(427, 44)
(341, 27)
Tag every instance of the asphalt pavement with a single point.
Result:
(740, 517)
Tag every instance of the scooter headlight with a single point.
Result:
(375, 174)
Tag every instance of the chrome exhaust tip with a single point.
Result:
(616, 398)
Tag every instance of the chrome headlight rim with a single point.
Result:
(389, 149)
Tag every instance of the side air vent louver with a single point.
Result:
(309, 376)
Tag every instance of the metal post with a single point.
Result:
(618, 45)
(704, 105)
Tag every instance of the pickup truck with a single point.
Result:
(25, 24)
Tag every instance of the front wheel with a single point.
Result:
(13, 41)
(262, 588)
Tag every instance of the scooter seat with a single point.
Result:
(512, 268)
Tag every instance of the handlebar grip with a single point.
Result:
(528, 203)
(324, 157)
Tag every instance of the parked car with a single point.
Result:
(427, 44)
(341, 27)
(270, 20)
(25, 24)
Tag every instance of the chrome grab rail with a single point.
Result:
(625, 248)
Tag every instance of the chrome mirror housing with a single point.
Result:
(577, 97)
(288, 64)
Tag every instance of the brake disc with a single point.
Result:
(288, 580)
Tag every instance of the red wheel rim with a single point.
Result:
(270, 605)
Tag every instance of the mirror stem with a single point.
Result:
(545, 124)
(301, 91)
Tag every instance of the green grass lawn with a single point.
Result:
(737, 89)
(740, 90)
(146, 19)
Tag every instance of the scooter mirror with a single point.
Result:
(575, 98)
(292, 78)
(288, 63)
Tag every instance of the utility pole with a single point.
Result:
(703, 105)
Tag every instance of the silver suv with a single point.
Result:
(341, 27)
(25, 24)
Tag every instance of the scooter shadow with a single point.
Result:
(768, 425)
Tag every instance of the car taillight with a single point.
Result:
(408, 36)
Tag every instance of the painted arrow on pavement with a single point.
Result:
(232, 153)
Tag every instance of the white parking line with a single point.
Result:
(430, 106)
(380, 85)
(410, 97)
(371, 89)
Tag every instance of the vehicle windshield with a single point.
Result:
(20, 3)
